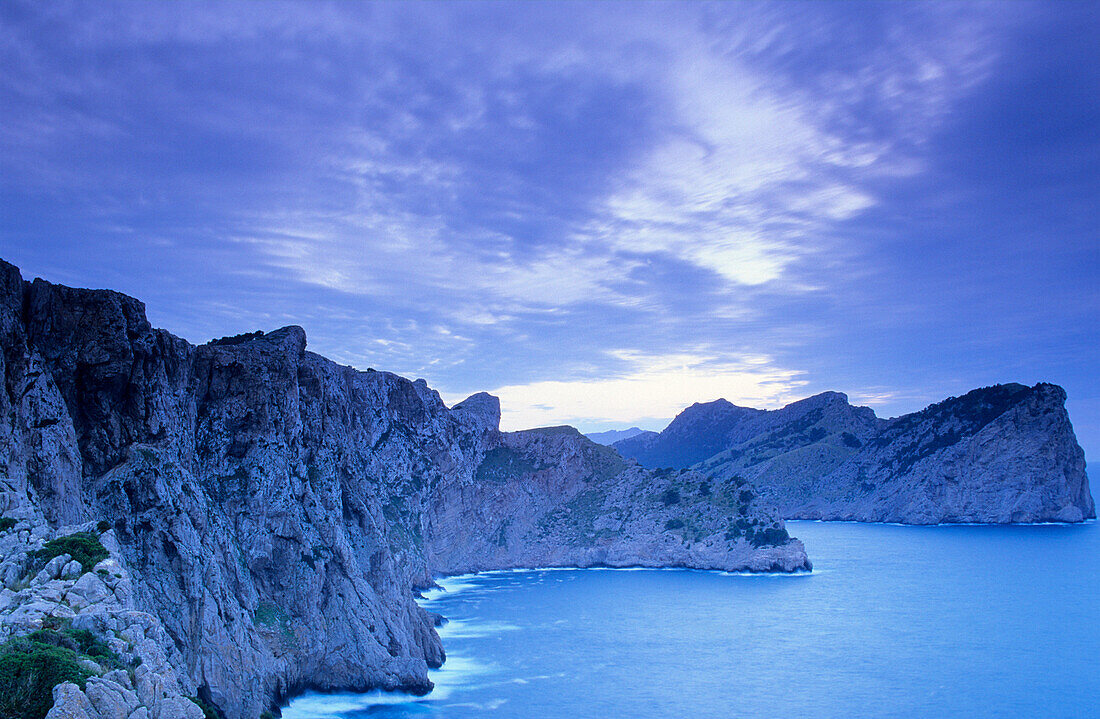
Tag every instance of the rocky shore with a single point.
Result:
(270, 513)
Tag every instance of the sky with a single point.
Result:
(599, 212)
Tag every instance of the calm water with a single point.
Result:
(894, 621)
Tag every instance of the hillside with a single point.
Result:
(1001, 454)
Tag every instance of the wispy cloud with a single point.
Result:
(494, 194)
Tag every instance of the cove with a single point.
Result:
(984, 621)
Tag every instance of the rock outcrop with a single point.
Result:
(274, 511)
(1001, 454)
(150, 681)
(551, 497)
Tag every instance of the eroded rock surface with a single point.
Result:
(551, 497)
(154, 682)
(1001, 454)
(273, 511)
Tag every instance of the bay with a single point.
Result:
(894, 621)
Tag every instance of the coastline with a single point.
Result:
(1090, 520)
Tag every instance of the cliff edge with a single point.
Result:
(273, 511)
(1000, 454)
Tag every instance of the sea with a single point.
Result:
(894, 621)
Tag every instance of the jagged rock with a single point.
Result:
(70, 703)
(273, 510)
(111, 699)
(87, 590)
(39, 605)
(1000, 454)
(31, 615)
(94, 622)
(52, 570)
(11, 573)
(119, 677)
(72, 570)
(552, 497)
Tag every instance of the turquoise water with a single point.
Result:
(893, 622)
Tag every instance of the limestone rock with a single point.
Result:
(552, 497)
(111, 699)
(72, 570)
(52, 570)
(1000, 454)
(70, 703)
(268, 512)
(87, 590)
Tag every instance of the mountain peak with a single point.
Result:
(481, 408)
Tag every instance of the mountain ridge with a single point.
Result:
(998, 454)
(610, 436)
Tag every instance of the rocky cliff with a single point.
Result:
(273, 511)
(1001, 454)
(551, 497)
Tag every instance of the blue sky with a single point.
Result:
(600, 212)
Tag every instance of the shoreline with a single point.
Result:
(1090, 520)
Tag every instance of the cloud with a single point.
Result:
(500, 194)
(752, 174)
(650, 386)
(729, 167)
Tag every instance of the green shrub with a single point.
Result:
(208, 711)
(501, 464)
(103, 526)
(6, 523)
(767, 536)
(850, 440)
(670, 497)
(674, 524)
(84, 547)
(29, 670)
(237, 339)
(80, 641)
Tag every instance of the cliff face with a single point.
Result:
(551, 497)
(1000, 454)
(244, 483)
(140, 674)
(275, 510)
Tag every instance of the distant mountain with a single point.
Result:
(698, 432)
(612, 436)
(999, 454)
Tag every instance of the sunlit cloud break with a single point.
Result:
(898, 196)
(653, 388)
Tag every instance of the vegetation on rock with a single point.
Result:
(237, 339)
(84, 547)
(29, 670)
(81, 641)
(208, 711)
